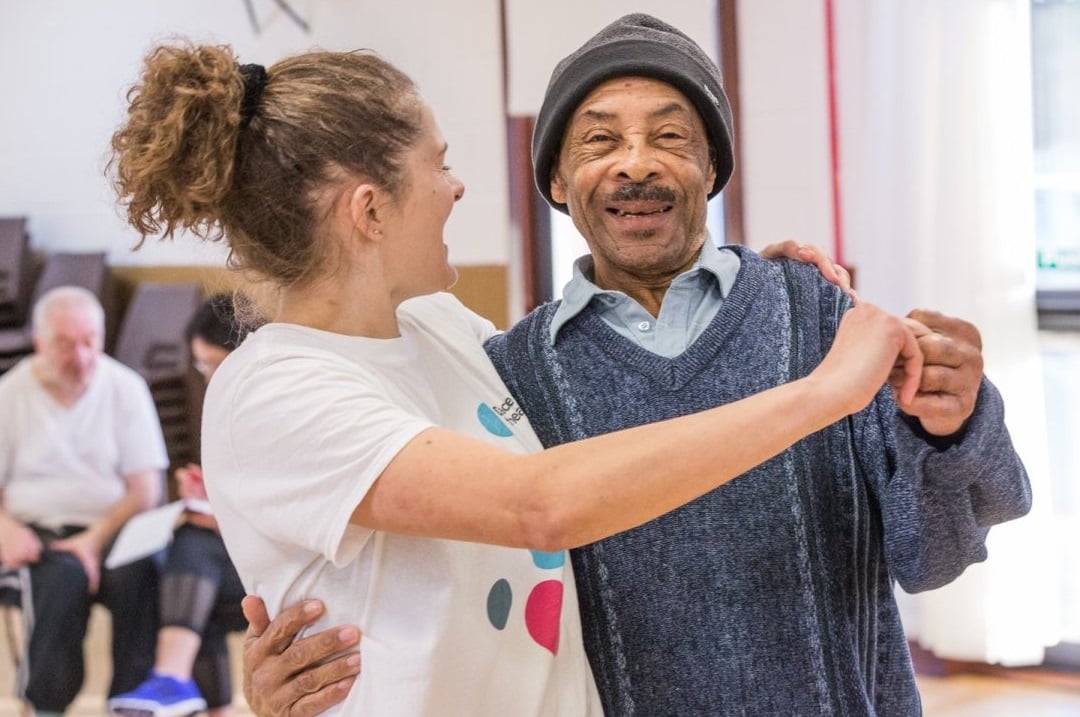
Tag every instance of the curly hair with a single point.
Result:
(184, 159)
(224, 320)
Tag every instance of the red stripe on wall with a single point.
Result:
(834, 135)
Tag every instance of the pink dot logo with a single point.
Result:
(542, 612)
(543, 608)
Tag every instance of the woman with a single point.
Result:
(200, 590)
(361, 447)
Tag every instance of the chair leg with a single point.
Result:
(13, 633)
(17, 621)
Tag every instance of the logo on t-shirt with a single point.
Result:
(543, 607)
(495, 418)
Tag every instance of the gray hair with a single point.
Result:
(63, 297)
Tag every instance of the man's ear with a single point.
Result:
(366, 209)
(558, 187)
(710, 179)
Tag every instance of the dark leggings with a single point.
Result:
(200, 591)
(58, 610)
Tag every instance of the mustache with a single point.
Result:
(642, 191)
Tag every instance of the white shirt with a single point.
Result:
(64, 465)
(299, 424)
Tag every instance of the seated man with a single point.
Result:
(81, 451)
(200, 590)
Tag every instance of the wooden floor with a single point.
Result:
(984, 696)
(959, 696)
(955, 696)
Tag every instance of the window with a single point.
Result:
(1055, 27)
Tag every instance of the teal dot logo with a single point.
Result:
(500, 598)
(491, 421)
(548, 561)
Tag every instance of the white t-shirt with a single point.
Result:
(66, 465)
(298, 425)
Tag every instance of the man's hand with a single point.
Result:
(283, 678)
(86, 547)
(808, 254)
(952, 371)
(19, 545)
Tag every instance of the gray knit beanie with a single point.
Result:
(634, 45)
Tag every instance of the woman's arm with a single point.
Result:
(442, 484)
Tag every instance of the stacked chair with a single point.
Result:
(87, 270)
(152, 341)
(16, 267)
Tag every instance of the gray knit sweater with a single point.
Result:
(771, 595)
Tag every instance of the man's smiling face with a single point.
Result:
(635, 171)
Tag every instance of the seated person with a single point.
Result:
(200, 590)
(81, 451)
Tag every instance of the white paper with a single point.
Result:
(144, 534)
(198, 506)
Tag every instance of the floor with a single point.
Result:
(982, 696)
(958, 696)
(961, 696)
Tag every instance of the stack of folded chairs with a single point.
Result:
(152, 342)
(16, 298)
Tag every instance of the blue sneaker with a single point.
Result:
(159, 696)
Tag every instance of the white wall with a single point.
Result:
(783, 131)
(65, 65)
(541, 34)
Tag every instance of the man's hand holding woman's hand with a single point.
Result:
(286, 677)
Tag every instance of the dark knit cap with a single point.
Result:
(634, 45)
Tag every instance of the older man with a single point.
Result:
(773, 594)
(81, 451)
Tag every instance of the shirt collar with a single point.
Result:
(720, 263)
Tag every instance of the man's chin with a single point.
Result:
(78, 384)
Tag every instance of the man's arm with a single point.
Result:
(286, 677)
(954, 470)
(19, 545)
(143, 491)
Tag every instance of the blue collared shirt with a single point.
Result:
(689, 305)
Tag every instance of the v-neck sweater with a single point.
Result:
(772, 595)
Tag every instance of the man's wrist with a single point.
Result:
(939, 442)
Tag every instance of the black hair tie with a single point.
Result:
(254, 77)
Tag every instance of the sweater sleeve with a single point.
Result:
(937, 506)
(937, 503)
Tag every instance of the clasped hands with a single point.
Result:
(952, 351)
